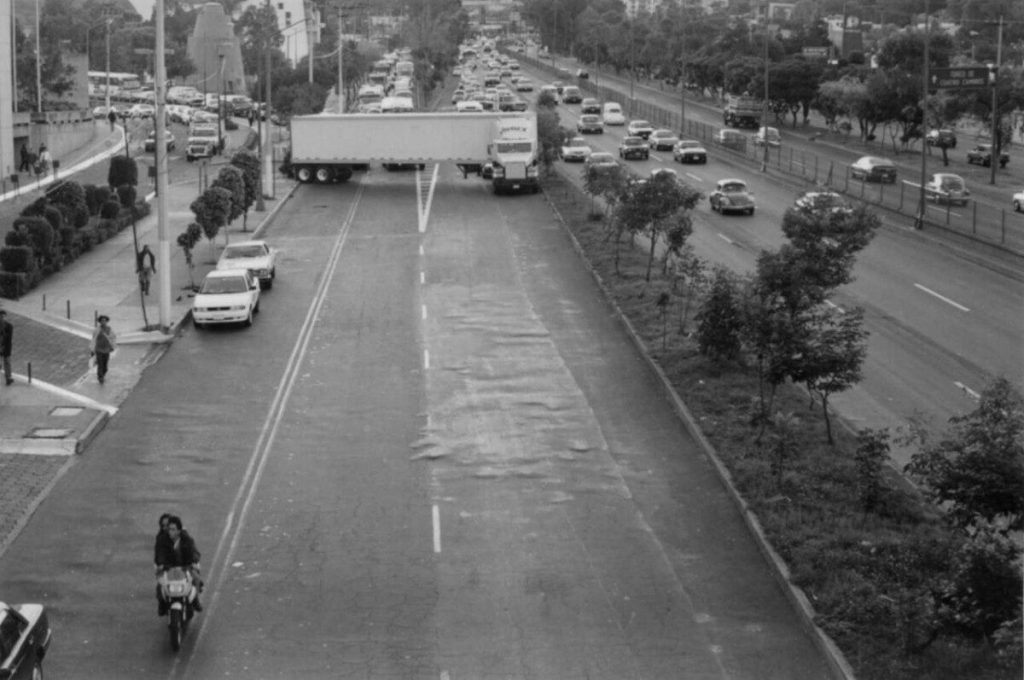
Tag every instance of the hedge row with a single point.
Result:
(70, 219)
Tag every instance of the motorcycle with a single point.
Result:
(178, 589)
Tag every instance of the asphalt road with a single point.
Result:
(943, 322)
(433, 456)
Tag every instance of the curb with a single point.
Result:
(841, 669)
(92, 430)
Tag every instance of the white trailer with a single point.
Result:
(326, 147)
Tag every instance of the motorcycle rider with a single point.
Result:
(178, 550)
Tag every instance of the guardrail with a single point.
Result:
(999, 227)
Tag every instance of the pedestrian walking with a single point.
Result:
(44, 162)
(26, 159)
(112, 117)
(145, 271)
(6, 340)
(104, 342)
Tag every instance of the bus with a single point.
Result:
(120, 83)
(404, 68)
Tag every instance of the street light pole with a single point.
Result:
(341, 60)
(163, 238)
(39, 65)
(764, 109)
(919, 220)
(997, 141)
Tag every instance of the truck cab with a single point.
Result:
(203, 141)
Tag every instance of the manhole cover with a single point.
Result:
(49, 433)
(66, 411)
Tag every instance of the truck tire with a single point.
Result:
(304, 174)
(324, 174)
(343, 173)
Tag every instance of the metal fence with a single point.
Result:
(997, 226)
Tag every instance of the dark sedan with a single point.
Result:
(874, 169)
(982, 155)
(634, 147)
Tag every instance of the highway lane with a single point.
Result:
(432, 456)
(940, 322)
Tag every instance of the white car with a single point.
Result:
(824, 201)
(1018, 201)
(142, 111)
(524, 85)
(639, 128)
(469, 106)
(769, 136)
(226, 296)
(612, 114)
(689, 151)
(256, 256)
(576, 149)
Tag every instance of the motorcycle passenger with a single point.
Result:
(178, 550)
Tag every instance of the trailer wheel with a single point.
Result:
(343, 173)
(304, 174)
(324, 174)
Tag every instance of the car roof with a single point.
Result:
(632, 138)
(723, 182)
(875, 159)
(601, 154)
(639, 121)
(239, 244)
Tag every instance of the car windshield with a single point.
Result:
(577, 141)
(202, 132)
(951, 183)
(238, 252)
(662, 133)
(734, 188)
(633, 141)
(641, 124)
(689, 144)
(224, 285)
(514, 147)
(602, 158)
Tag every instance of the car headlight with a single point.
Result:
(238, 308)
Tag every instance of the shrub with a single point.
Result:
(110, 209)
(40, 233)
(36, 208)
(230, 124)
(720, 320)
(16, 237)
(126, 194)
(70, 198)
(13, 284)
(17, 259)
(95, 197)
(122, 171)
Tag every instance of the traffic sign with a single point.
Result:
(964, 77)
(815, 52)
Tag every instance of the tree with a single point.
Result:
(976, 470)
(835, 348)
(212, 209)
(230, 179)
(249, 165)
(719, 320)
(648, 206)
(122, 170)
(188, 240)
(549, 133)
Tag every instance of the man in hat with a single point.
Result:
(6, 340)
(104, 342)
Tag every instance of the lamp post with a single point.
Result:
(220, 100)
(919, 219)
(997, 140)
(764, 109)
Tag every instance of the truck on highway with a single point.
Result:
(327, 148)
(742, 110)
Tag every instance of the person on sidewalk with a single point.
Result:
(6, 340)
(26, 159)
(112, 118)
(44, 162)
(145, 271)
(104, 342)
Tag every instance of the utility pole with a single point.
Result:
(341, 60)
(107, 94)
(764, 109)
(682, 73)
(163, 239)
(39, 65)
(919, 221)
(997, 141)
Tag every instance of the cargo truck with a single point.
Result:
(742, 111)
(327, 148)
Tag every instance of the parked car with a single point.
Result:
(25, 636)
(982, 155)
(590, 123)
(590, 105)
(634, 147)
(948, 188)
(689, 151)
(639, 128)
(732, 195)
(255, 256)
(142, 111)
(576, 150)
(874, 169)
(150, 144)
(469, 106)
(524, 85)
(600, 160)
(551, 91)
(582, 73)
(612, 114)
(226, 296)
(769, 136)
(571, 95)
(660, 140)
(941, 138)
(1018, 201)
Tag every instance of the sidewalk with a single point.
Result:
(56, 406)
